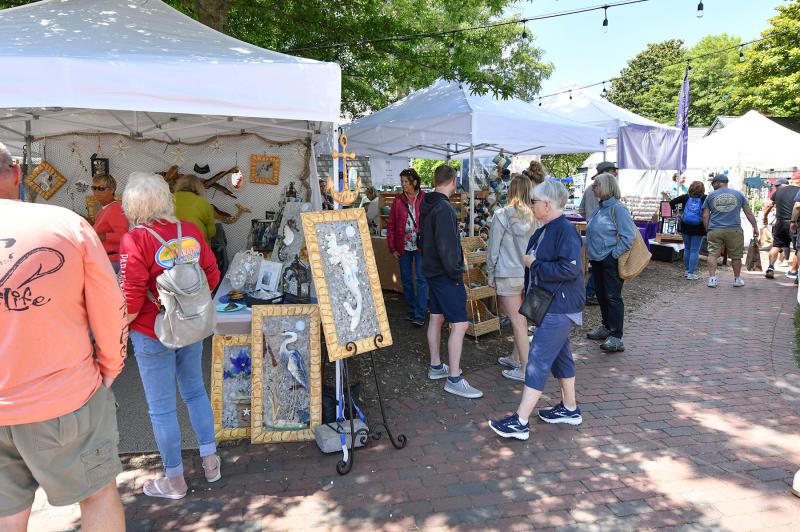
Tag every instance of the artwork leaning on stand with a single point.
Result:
(345, 275)
(287, 373)
(231, 388)
(290, 241)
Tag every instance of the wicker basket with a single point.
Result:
(482, 321)
(476, 276)
(470, 244)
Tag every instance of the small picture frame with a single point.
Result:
(287, 373)
(231, 386)
(265, 169)
(269, 276)
(45, 180)
(100, 165)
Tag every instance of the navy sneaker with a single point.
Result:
(510, 427)
(560, 414)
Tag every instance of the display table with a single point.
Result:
(648, 231)
(388, 266)
(665, 251)
(231, 322)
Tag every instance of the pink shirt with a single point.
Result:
(111, 220)
(56, 284)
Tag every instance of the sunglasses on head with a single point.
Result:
(100, 188)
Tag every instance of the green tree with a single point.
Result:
(374, 74)
(769, 79)
(563, 165)
(425, 168)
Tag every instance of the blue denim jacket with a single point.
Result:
(601, 232)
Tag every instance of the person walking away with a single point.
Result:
(554, 263)
(691, 226)
(722, 218)
(58, 417)
(191, 206)
(443, 268)
(110, 223)
(792, 274)
(587, 207)
(609, 234)
(511, 229)
(148, 204)
(402, 230)
(782, 201)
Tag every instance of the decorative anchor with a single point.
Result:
(344, 196)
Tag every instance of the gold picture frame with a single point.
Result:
(265, 169)
(91, 206)
(58, 180)
(331, 281)
(238, 410)
(293, 381)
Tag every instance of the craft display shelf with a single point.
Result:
(386, 199)
(481, 319)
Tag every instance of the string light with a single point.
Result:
(605, 92)
(689, 66)
(570, 95)
(741, 54)
(605, 19)
(524, 31)
(452, 49)
(700, 9)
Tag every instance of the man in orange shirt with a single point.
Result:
(58, 425)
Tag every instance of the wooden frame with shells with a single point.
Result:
(243, 407)
(59, 180)
(275, 162)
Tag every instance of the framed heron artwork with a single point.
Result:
(231, 386)
(287, 373)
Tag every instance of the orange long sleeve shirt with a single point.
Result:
(56, 284)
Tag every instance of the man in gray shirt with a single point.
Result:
(722, 218)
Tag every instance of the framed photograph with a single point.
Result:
(269, 276)
(343, 267)
(287, 373)
(45, 180)
(265, 169)
(231, 386)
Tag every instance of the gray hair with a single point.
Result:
(190, 183)
(6, 161)
(607, 186)
(552, 192)
(147, 198)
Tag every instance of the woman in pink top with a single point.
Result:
(111, 222)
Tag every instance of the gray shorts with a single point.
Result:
(509, 286)
(70, 457)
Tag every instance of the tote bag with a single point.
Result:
(632, 262)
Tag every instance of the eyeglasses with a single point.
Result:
(100, 188)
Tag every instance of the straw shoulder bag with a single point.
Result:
(633, 261)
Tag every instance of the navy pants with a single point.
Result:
(550, 352)
(417, 300)
(608, 285)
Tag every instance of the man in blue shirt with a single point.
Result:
(722, 218)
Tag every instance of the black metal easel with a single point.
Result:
(343, 467)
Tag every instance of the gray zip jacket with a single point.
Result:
(507, 242)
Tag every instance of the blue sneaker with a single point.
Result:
(560, 414)
(510, 427)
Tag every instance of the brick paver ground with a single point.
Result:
(696, 426)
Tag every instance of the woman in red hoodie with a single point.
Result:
(148, 202)
(402, 230)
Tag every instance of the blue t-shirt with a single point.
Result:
(725, 205)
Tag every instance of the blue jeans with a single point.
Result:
(691, 251)
(417, 301)
(160, 367)
(550, 352)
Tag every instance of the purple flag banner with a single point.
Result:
(682, 122)
(649, 148)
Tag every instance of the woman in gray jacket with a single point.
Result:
(512, 227)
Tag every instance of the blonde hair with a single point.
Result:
(536, 172)
(147, 199)
(607, 186)
(190, 183)
(519, 197)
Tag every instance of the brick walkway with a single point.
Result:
(684, 429)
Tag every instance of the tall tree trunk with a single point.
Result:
(213, 13)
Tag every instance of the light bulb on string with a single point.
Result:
(688, 66)
(741, 55)
(570, 95)
(524, 31)
(452, 49)
(605, 92)
(540, 102)
(700, 9)
(605, 19)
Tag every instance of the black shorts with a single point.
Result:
(781, 236)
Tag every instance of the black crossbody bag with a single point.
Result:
(537, 300)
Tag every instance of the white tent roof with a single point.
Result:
(589, 108)
(750, 141)
(106, 57)
(446, 118)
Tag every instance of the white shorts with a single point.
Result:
(509, 286)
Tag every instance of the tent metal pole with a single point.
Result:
(470, 181)
(26, 159)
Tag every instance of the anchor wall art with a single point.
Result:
(287, 373)
(343, 266)
(231, 370)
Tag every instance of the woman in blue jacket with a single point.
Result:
(610, 233)
(554, 263)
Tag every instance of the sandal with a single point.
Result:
(218, 475)
(155, 488)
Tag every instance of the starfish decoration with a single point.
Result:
(178, 155)
(216, 147)
(120, 149)
(246, 412)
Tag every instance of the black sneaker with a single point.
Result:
(560, 414)
(770, 273)
(510, 427)
(419, 322)
(409, 316)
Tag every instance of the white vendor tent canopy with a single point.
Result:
(446, 120)
(141, 68)
(752, 141)
(588, 108)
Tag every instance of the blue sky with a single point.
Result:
(582, 53)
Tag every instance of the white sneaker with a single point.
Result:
(508, 362)
(462, 388)
(692, 277)
(738, 282)
(712, 282)
(515, 374)
(441, 373)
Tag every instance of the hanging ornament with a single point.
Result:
(120, 149)
(236, 179)
(178, 155)
(216, 147)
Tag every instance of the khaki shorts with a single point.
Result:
(731, 239)
(70, 457)
(509, 286)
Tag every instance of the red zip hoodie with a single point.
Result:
(142, 258)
